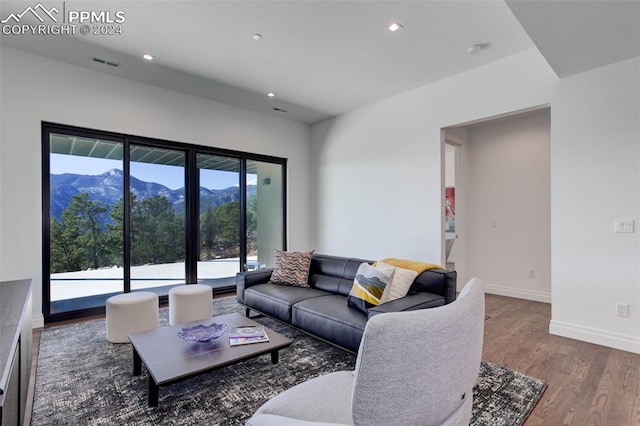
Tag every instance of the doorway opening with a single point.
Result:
(451, 219)
(498, 170)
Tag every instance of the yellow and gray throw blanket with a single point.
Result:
(412, 265)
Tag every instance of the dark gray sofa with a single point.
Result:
(322, 309)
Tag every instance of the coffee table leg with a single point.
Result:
(274, 357)
(137, 363)
(153, 392)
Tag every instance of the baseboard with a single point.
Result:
(593, 335)
(537, 296)
(37, 321)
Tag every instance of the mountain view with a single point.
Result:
(107, 189)
(87, 226)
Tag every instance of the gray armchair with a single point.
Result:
(413, 368)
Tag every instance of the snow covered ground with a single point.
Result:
(71, 285)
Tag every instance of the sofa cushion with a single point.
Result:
(334, 285)
(332, 273)
(369, 285)
(276, 300)
(330, 318)
(292, 268)
(411, 302)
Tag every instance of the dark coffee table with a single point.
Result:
(169, 359)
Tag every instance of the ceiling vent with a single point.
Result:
(104, 62)
(279, 109)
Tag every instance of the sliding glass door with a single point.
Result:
(124, 213)
(265, 211)
(157, 207)
(219, 217)
(85, 245)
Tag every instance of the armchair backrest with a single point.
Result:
(419, 367)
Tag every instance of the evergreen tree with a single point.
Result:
(78, 240)
(252, 224)
(66, 254)
(157, 232)
(207, 231)
(227, 225)
(115, 233)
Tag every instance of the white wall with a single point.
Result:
(35, 89)
(377, 174)
(377, 170)
(450, 166)
(508, 186)
(595, 158)
(1, 176)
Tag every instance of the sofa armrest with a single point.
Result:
(245, 280)
(411, 302)
(437, 281)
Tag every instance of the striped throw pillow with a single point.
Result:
(369, 285)
(291, 268)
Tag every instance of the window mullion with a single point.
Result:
(126, 217)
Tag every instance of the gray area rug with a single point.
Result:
(84, 380)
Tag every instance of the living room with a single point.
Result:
(377, 157)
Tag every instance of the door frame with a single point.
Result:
(458, 144)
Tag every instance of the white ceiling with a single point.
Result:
(324, 58)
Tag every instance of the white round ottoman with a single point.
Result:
(130, 313)
(191, 302)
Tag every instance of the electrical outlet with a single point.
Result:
(624, 226)
(532, 273)
(622, 310)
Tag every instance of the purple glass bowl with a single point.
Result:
(202, 333)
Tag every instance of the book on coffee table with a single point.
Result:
(247, 335)
(247, 331)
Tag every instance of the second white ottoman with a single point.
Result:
(190, 302)
(130, 313)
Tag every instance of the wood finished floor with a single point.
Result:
(587, 384)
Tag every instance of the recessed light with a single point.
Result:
(395, 26)
(256, 36)
(148, 57)
(477, 48)
(271, 94)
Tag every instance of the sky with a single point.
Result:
(170, 176)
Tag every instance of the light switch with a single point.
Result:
(624, 226)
